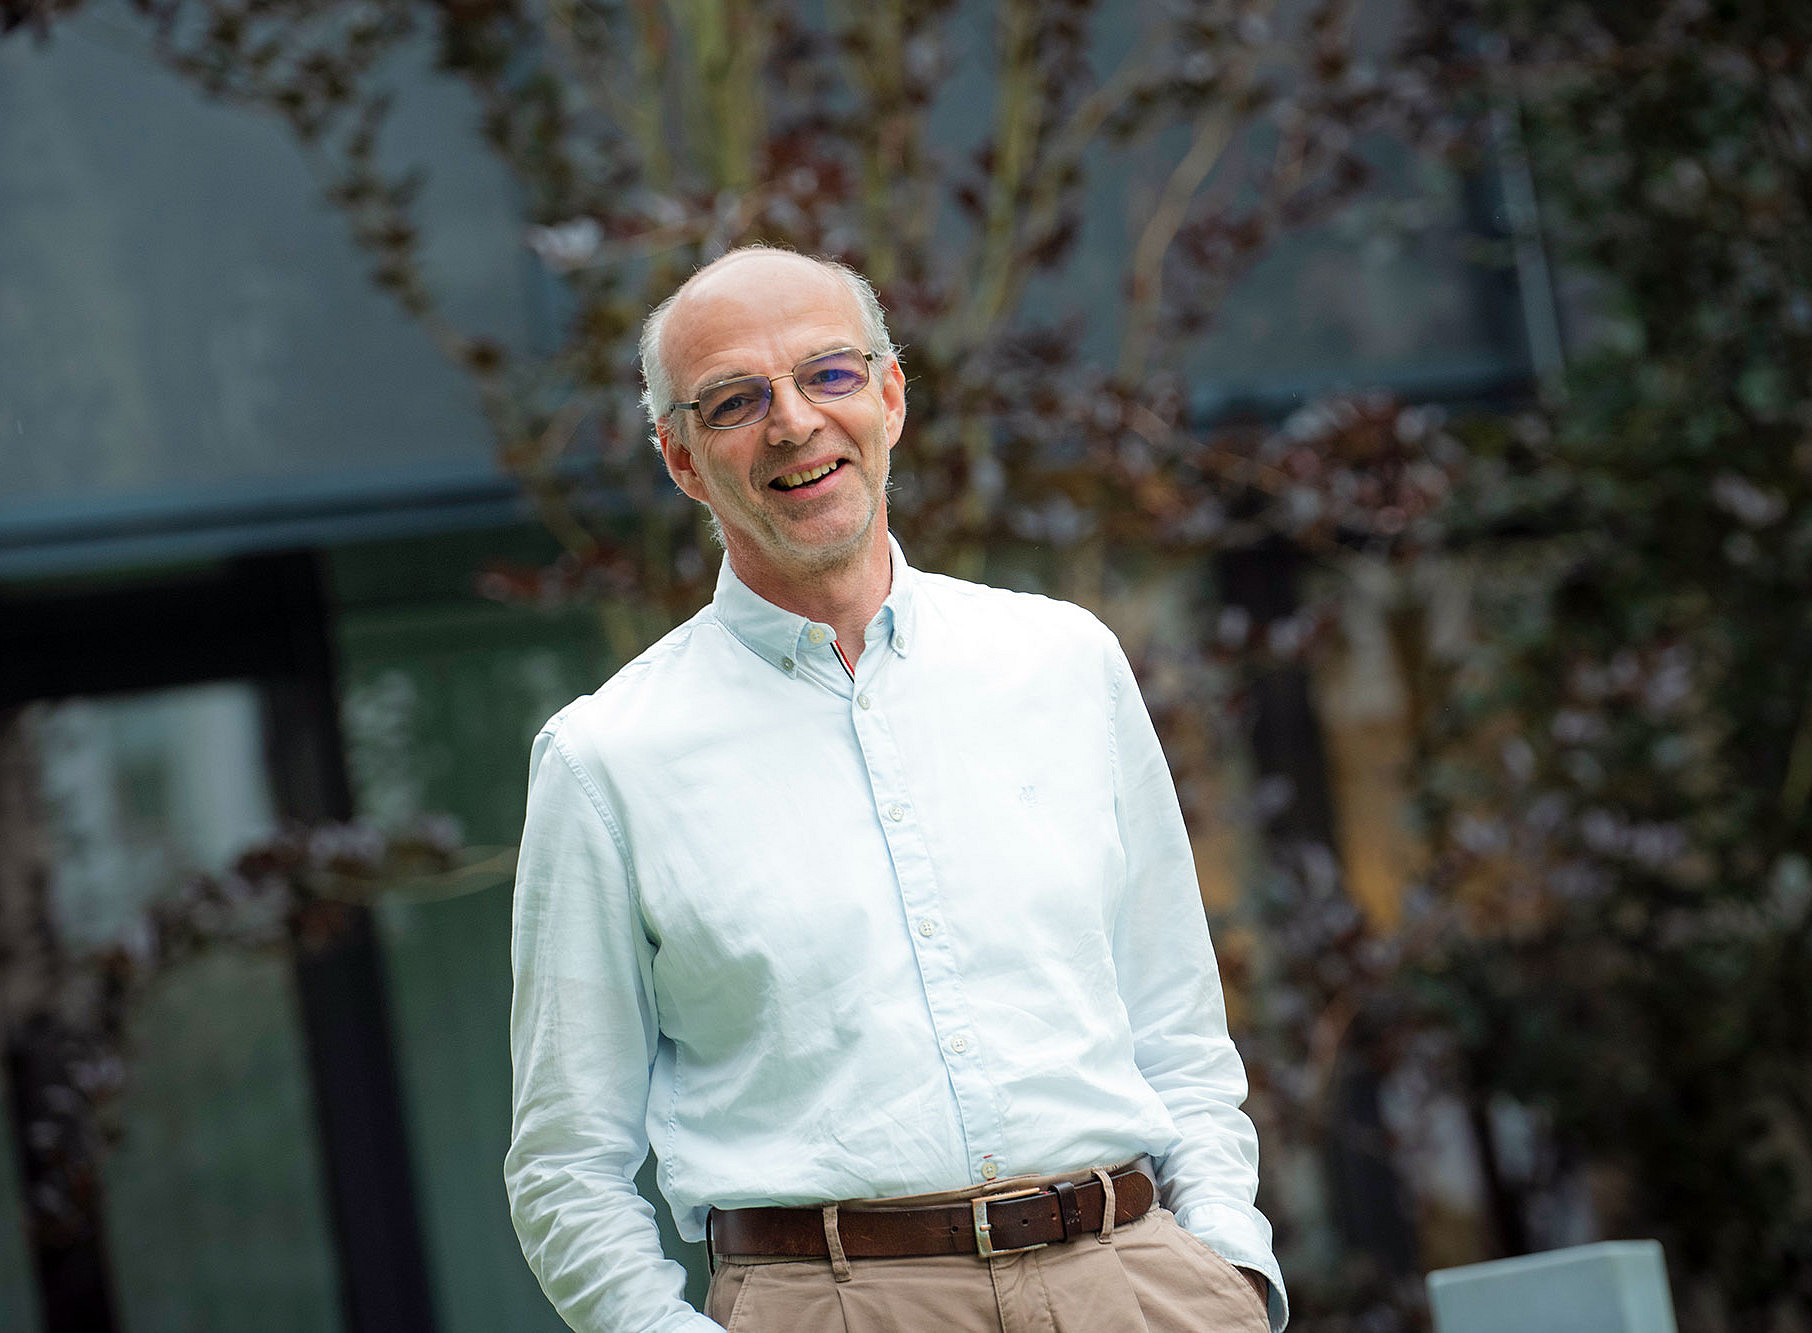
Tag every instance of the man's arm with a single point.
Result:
(583, 1035)
(1171, 987)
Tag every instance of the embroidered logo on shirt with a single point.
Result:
(1028, 795)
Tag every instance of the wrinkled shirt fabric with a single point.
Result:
(815, 939)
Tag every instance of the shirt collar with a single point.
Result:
(784, 638)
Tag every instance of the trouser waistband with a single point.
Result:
(1007, 1216)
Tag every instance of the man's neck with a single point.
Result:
(846, 598)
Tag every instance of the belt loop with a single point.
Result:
(833, 1241)
(1108, 1206)
(1069, 1208)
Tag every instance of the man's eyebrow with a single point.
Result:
(730, 375)
(726, 377)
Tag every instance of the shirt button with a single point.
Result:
(863, 700)
(899, 643)
(816, 635)
(896, 813)
(959, 1044)
(786, 664)
(989, 1170)
(927, 927)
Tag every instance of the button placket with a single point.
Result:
(916, 881)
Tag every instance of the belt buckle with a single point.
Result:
(984, 1231)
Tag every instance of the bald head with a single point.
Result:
(748, 275)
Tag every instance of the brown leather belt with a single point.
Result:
(991, 1224)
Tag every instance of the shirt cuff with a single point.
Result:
(1243, 1239)
(688, 1323)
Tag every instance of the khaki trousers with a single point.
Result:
(1150, 1276)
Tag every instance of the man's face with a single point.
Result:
(762, 315)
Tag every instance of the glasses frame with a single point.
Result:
(768, 393)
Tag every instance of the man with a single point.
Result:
(865, 898)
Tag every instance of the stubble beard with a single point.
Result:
(797, 559)
(816, 561)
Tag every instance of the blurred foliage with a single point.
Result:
(1618, 770)
(945, 151)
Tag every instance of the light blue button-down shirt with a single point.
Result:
(818, 939)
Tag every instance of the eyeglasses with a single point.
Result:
(743, 401)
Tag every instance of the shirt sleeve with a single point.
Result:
(1170, 984)
(583, 1037)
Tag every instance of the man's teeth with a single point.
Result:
(794, 480)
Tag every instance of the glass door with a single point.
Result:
(211, 1197)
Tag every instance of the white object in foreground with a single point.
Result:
(1617, 1286)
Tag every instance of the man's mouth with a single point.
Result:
(793, 481)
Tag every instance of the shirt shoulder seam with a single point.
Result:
(601, 808)
(1115, 684)
(644, 662)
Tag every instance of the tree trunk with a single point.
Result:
(1369, 1209)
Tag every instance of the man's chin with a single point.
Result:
(832, 558)
(817, 554)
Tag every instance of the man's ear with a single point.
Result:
(678, 459)
(893, 400)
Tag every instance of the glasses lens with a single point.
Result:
(833, 375)
(736, 403)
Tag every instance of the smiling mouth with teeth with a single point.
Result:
(792, 481)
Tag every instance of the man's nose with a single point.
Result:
(792, 417)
